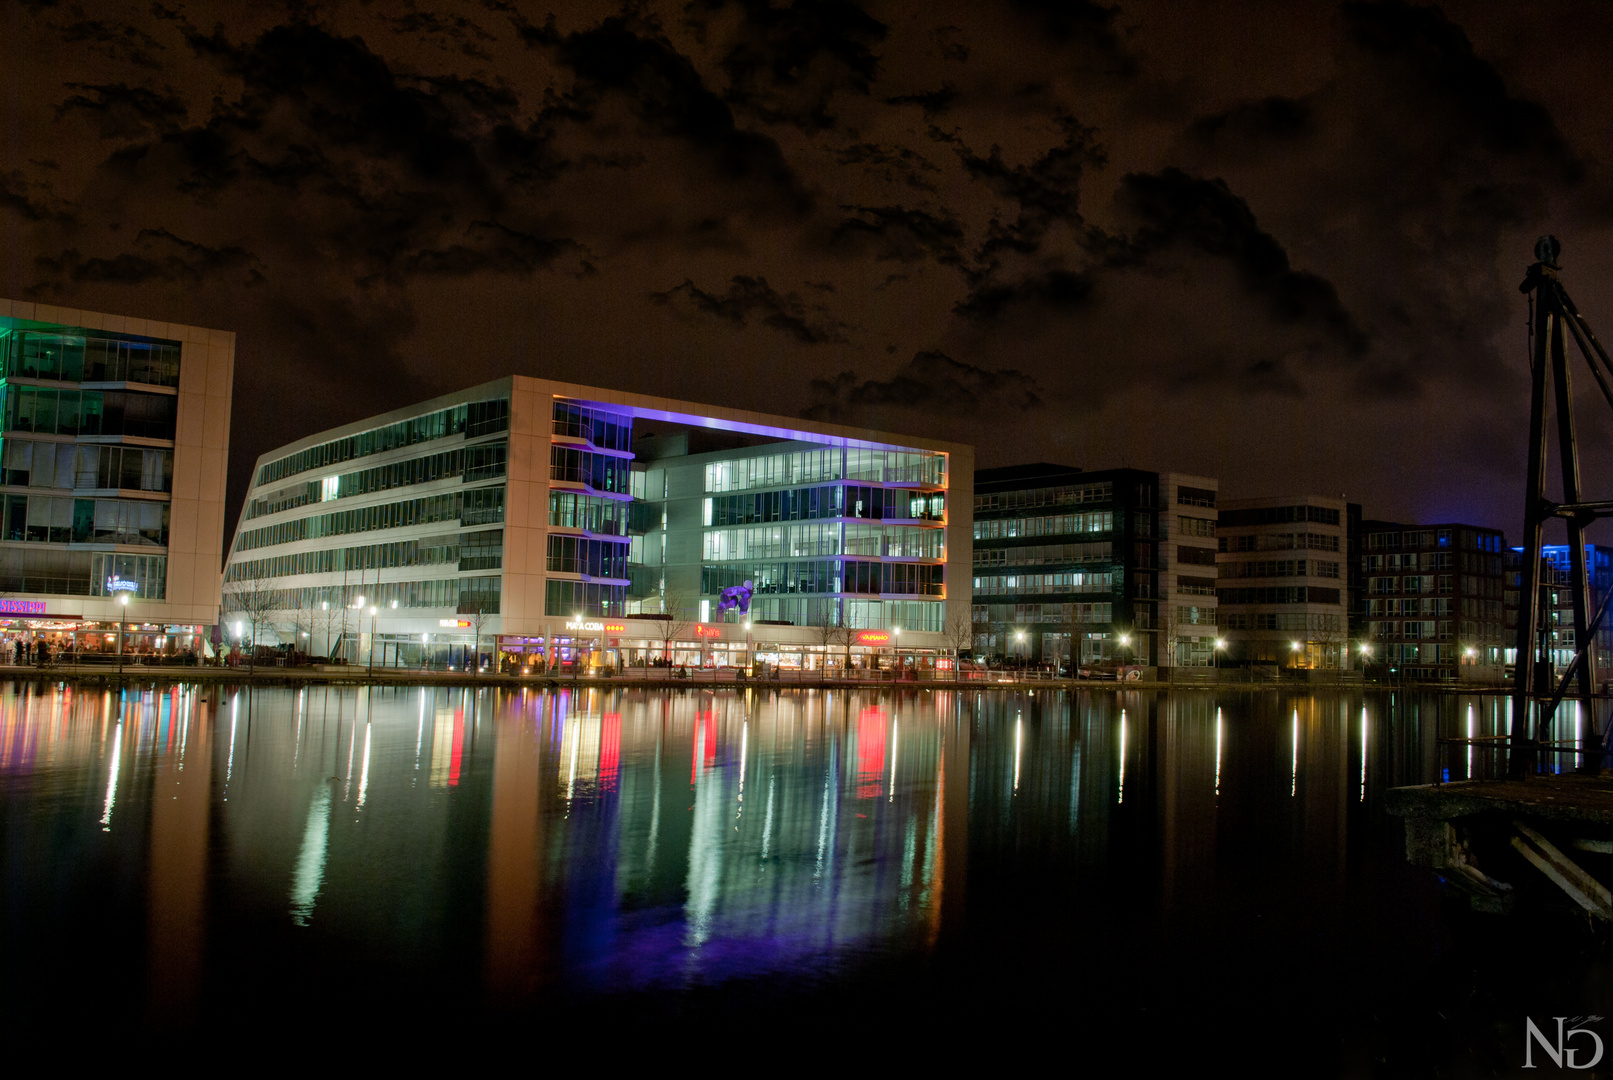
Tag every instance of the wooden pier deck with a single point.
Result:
(1473, 833)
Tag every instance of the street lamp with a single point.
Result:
(750, 649)
(1295, 649)
(123, 610)
(1019, 644)
(372, 640)
(1220, 647)
(896, 633)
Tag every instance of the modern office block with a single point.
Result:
(1118, 564)
(1434, 600)
(1284, 580)
(115, 435)
(575, 524)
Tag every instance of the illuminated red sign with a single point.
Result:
(707, 631)
(873, 637)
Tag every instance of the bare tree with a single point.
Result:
(1170, 632)
(303, 625)
(673, 621)
(960, 634)
(253, 600)
(477, 610)
(1075, 623)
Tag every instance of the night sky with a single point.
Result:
(1276, 243)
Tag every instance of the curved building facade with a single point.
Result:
(559, 525)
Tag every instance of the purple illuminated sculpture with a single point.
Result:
(737, 597)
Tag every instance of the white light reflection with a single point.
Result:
(744, 741)
(229, 762)
(571, 775)
(1293, 774)
(1470, 742)
(1019, 742)
(1363, 797)
(1122, 797)
(896, 730)
(310, 873)
(1218, 723)
(112, 779)
(364, 771)
(420, 731)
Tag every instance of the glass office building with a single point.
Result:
(112, 451)
(558, 524)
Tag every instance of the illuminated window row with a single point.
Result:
(471, 420)
(479, 506)
(54, 520)
(827, 501)
(1067, 495)
(89, 356)
(607, 430)
(469, 551)
(460, 594)
(1093, 521)
(1044, 554)
(1076, 582)
(483, 461)
(796, 541)
(80, 573)
(87, 465)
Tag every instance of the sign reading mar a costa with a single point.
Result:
(22, 607)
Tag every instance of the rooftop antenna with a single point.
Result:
(1553, 313)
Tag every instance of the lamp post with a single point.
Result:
(394, 648)
(1019, 645)
(1294, 648)
(324, 605)
(1220, 647)
(123, 610)
(358, 606)
(750, 650)
(372, 641)
(896, 636)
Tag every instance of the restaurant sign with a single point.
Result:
(597, 627)
(116, 584)
(873, 637)
(22, 607)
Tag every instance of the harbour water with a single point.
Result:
(1146, 880)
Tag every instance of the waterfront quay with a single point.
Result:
(707, 678)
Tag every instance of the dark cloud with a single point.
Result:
(1178, 209)
(931, 384)
(751, 298)
(127, 112)
(895, 232)
(1168, 223)
(159, 256)
(786, 62)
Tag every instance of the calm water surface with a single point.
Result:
(1145, 880)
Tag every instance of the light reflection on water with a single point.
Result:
(495, 846)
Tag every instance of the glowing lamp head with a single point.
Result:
(123, 598)
(1220, 643)
(372, 611)
(1125, 639)
(1295, 645)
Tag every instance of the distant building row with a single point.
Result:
(1156, 568)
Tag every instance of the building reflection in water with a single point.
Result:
(534, 840)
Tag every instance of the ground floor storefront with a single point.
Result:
(66, 639)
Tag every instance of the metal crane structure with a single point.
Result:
(1554, 319)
